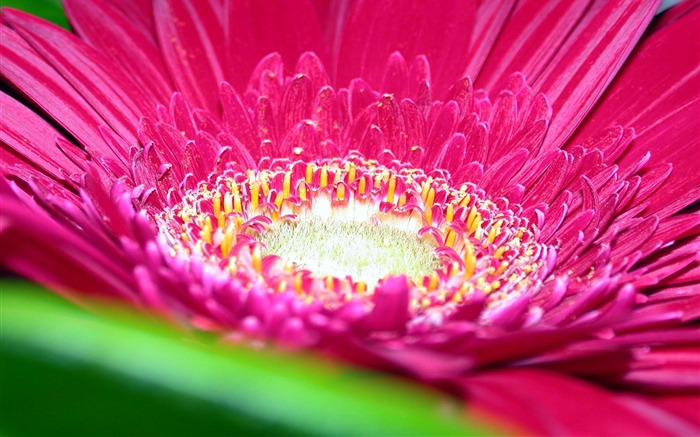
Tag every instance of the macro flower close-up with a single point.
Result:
(494, 199)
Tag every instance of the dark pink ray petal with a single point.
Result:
(375, 29)
(670, 15)
(331, 15)
(95, 77)
(23, 131)
(490, 19)
(253, 29)
(576, 77)
(532, 36)
(190, 37)
(140, 12)
(40, 248)
(22, 66)
(548, 403)
(663, 105)
(129, 45)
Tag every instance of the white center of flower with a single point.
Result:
(367, 252)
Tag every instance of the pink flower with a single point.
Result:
(527, 238)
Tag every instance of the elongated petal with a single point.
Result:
(658, 94)
(532, 36)
(546, 403)
(89, 72)
(35, 140)
(191, 40)
(253, 29)
(129, 45)
(577, 76)
(376, 29)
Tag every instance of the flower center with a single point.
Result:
(363, 250)
(332, 230)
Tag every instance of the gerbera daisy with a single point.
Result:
(479, 195)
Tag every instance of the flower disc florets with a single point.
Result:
(292, 227)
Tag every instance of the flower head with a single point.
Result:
(372, 202)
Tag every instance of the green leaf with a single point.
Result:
(50, 10)
(66, 371)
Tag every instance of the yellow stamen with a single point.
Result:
(494, 231)
(324, 176)
(237, 203)
(469, 260)
(434, 281)
(362, 185)
(392, 189)
(500, 251)
(228, 203)
(402, 200)
(352, 173)
(227, 242)
(450, 213)
(430, 199)
(341, 192)
(450, 238)
(299, 283)
(205, 233)
(257, 258)
(309, 173)
(287, 184)
(254, 195)
(217, 205)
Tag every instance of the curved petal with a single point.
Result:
(546, 403)
(26, 70)
(112, 95)
(532, 36)
(191, 40)
(576, 77)
(663, 105)
(105, 27)
(24, 132)
(375, 29)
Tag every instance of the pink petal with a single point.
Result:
(576, 77)
(532, 36)
(24, 68)
(375, 29)
(253, 29)
(191, 40)
(663, 105)
(491, 16)
(23, 131)
(547, 403)
(105, 27)
(113, 96)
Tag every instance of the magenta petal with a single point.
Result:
(390, 312)
(546, 403)
(532, 36)
(375, 29)
(254, 29)
(663, 107)
(56, 256)
(576, 77)
(191, 40)
(28, 72)
(23, 131)
(105, 27)
(113, 96)
(491, 16)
